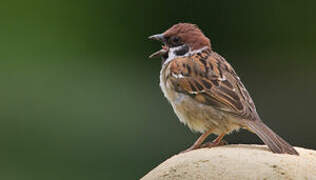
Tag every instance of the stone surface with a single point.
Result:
(237, 162)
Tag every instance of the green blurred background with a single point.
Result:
(81, 100)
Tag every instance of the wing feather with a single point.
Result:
(209, 79)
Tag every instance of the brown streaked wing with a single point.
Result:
(209, 79)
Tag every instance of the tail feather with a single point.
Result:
(270, 138)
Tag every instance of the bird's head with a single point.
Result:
(180, 40)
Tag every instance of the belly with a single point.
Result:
(197, 116)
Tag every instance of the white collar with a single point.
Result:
(172, 55)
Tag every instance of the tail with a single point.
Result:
(270, 138)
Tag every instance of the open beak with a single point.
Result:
(164, 50)
(157, 37)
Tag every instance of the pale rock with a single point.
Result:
(237, 162)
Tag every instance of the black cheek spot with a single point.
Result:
(182, 51)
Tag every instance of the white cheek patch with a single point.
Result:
(172, 53)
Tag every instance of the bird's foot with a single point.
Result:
(214, 144)
(206, 145)
(190, 149)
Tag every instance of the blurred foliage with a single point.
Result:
(80, 99)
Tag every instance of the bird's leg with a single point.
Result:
(199, 141)
(217, 142)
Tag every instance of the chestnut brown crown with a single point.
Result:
(186, 33)
(180, 39)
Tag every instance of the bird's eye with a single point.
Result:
(175, 41)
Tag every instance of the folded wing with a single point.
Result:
(209, 79)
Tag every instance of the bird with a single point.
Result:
(205, 92)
